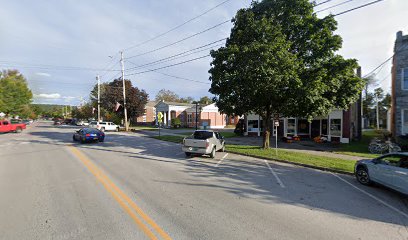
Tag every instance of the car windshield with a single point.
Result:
(202, 135)
(93, 123)
(90, 130)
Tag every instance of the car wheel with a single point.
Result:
(362, 176)
(188, 154)
(117, 129)
(101, 140)
(18, 130)
(223, 148)
(212, 155)
(73, 138)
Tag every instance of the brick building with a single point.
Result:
(399, 110)
(149, 115)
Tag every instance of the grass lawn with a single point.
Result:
(283, 155)
(360, 148)
(169, 138)
(328, 163)
(224, 134)
(144, 128)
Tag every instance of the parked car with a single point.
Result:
(89, 135)
(82, 123)
(104, 126)
(26, 121)
(390, 170)
(7, 126)
(203, 142)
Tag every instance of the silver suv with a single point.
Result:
(390, 170)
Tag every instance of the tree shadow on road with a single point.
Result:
(306, 188)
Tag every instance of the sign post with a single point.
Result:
(276, 124)
(159, 120)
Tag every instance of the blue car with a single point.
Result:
(88, 135)
(390, 170)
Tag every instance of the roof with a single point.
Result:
(176, 104)
(151, 103)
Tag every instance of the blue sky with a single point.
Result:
(60, 46)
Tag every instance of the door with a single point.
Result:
(4, 126)
(315, 131)
(401, 175)
(383, 171)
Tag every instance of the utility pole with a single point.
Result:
(124, 90)
(378, 115)
(196, 116)
(99, 97)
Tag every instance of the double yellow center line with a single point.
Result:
(142, 220)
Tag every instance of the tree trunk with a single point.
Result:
(266, 130)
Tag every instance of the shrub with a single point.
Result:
(175, 123)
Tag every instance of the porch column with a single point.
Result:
(169, 123)
(165, 118)
(259, 126)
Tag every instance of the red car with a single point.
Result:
(6, 126)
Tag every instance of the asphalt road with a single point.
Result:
(134, 187)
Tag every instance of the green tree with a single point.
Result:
(112, 93)
(280, 61)
(167, 96)
(14, 92)
(205, 100)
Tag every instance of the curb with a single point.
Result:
(283, 161)
(293, 163)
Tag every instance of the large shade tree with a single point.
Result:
(112, 93)
(280, 61)
(15, 96)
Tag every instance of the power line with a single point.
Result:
(179, 55)
(179, 41)
(336, 5)
(323, 3)
(178, 26)
(51, 67)
(361, 6)
(181, 78)
(172, 65)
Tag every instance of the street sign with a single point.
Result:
(160, 117)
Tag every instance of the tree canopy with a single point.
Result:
(112, 93)
(281, 60)
(15, 96)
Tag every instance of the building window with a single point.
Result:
(404, 121)
(324, 126)
(303, 126)
(335, 127)
(252, 125)
(291, 126)
(144, 118)
(189, 118)
(405, 79)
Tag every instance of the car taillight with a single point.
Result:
(88, 135)
(207, 144)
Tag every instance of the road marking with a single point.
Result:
(372, 196)
(219, 162)
(275, 175)
(121, 198)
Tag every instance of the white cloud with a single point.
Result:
(43, 74)
(48, 96)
